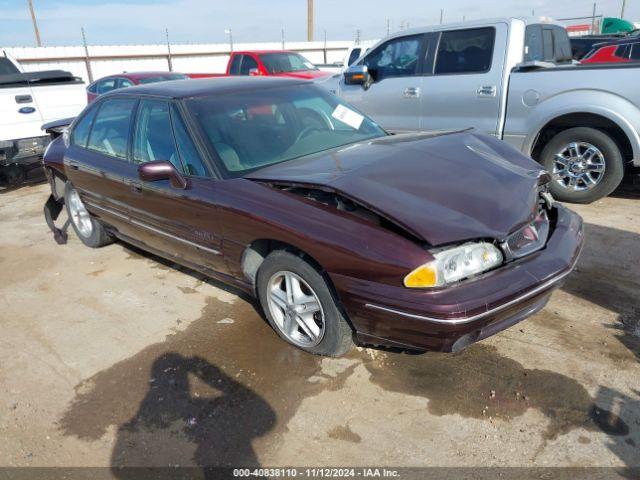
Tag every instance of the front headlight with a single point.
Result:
(454, 264)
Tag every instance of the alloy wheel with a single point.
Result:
(579, 166)
(296, 309)
(79, 214)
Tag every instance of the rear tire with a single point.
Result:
(586, 164)
(88, 228)
(310, 318)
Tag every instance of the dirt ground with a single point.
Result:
(113, 357)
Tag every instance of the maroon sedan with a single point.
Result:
(279, 188)
(123, 80)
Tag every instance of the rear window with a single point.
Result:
(163, 78)
(465, 51)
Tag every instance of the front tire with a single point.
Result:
(586, 164)
(88, 228)
(300, 306)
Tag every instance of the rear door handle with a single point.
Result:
(486, 91)
(411, 92)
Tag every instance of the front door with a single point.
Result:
(182, 223)
(463, 87)
(393, 100)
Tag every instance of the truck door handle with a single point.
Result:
(24, 99)
(486, 91)
(411, 92)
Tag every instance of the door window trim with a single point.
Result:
(421, 55)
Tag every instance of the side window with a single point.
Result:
(80, 133)
(124, 82)
(533, 44)
(235, 65)
(635, 51)
(465, 51)
(106, 85)
(110, 131)
(622, 51)
(188, 153)
(152, 139)
(248, 62)
(396, 58)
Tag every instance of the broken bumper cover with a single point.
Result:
(449, 319)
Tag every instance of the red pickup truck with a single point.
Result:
(279, 63)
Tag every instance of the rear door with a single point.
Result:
(182, 223)
(96, 160)
(463, 81)
(394, 99)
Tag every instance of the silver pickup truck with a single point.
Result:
(513, 78)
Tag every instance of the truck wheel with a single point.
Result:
(87, 227)
(300, 307)
(586, 164)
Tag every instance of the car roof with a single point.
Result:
(207, 86)
(621, 41)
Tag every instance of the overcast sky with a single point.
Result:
(204, 21)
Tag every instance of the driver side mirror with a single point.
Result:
(162, 170)
(358, 75)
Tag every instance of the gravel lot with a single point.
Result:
(113, 357)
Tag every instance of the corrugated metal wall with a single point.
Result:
(185, 58)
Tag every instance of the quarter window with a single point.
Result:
(465, 51)
(635, 51)
(396, 58)
(153, 138)
(107, 85)
(110, 131)
(235, 65)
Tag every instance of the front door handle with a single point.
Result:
(411, 92)
(136, 188)
(486, 91)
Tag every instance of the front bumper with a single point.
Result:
(24, 151)
(451, 318)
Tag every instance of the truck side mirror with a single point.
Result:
(162, 170)
(357, 75)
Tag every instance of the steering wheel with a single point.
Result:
(306, 131)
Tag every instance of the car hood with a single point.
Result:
(441, 188)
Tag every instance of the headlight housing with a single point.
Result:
(454, 264)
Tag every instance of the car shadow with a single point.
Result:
(192, 410)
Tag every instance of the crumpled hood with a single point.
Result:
(442, 188)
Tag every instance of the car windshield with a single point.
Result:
(286, 62)
(254, 129)
(164, 78)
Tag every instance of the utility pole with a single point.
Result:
(35, 24)
(310, 20)
(87, 59)
(624, 6)
(388, 27)
(593, 20)
(441, 15)
(282, 37)
(229, 32)
(169, 62)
